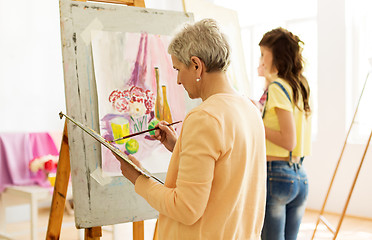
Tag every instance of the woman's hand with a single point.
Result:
(128, 170)
(166, 135)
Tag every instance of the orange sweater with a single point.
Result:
(216, 181)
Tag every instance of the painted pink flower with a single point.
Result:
(115, 95)
(121, 104)
(126, 94)
(149, 101)
(148, 106)
(149, 94)
(123, 100)
(136, 91)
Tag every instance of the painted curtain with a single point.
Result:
(136, 86)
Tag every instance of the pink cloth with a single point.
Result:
(16, 151)
(42, 144)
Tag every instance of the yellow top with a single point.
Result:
(278, 99)
(216, 181)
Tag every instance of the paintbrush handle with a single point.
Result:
(138, 133)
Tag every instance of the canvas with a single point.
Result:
(136, 87)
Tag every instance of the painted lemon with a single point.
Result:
(132, 146)
(152, 124)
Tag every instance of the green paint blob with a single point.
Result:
(152, 124)
(132, 146)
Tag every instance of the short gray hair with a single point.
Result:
(205, 41)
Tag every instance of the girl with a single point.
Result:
(287, 124)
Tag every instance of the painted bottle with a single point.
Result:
(158, 100)
(167, 116)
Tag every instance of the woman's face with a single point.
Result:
(266, 61)
(187, 77)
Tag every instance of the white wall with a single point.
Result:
(31, 77)
(332, 123)
(164, 5)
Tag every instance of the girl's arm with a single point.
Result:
(286, 136)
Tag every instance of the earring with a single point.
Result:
(198, 79)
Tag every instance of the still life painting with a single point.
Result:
(137, 88)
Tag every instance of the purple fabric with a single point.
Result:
(16, 151)
(42, 144)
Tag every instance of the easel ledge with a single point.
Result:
(63, 175)
(135, 3)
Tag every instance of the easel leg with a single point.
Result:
(59, 196)
(138, 230)
(352, 188)
(156, 230)
(94, 233)
(60, 190)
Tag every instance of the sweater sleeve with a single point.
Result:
(200, 147)
(278, 99)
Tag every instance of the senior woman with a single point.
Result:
(215, 186)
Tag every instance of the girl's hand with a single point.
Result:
(166, 135)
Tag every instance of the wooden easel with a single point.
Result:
(321, 218)
(63, 175)
(59, 195)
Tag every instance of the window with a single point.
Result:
(359, 62)
(256, 19)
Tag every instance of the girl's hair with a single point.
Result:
(205, 41)
(287, 58)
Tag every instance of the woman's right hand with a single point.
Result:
(166, 135)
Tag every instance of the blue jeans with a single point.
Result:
(287, 190)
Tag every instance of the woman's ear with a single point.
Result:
(197, 64)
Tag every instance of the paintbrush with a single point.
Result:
(138, 133)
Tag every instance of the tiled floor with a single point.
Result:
(351, 228)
